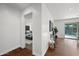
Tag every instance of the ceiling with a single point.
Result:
(18, 6)
(63, 10)
(57, 10)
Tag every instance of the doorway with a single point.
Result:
(27, 18)
(28, 30)
(71, 30)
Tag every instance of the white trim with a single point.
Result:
(66, 19)
(37, 54)
(26, 11)
(45, 51)
(6, 51)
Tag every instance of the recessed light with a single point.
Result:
(70, 9)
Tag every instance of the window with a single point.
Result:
(70, 30)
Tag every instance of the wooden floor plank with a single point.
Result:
(64, 47)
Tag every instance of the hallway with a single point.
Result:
(64, 47)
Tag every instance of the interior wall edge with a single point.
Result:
(6, 51)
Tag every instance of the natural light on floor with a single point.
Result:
(70, 36)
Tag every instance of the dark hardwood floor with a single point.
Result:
(64, 47)
(19, 52)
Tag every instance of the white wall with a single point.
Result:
(46, 16)
(9, 29)
(60, 25)
(28, 20)
(36, 28)
(40, 27)
(72, 20)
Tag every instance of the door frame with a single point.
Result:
(22, 25)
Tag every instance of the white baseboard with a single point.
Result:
(42, 54)
(45, 51)
(36, 54)
(6, 51)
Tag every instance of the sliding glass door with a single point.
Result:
(78, 33)
(71, 31)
